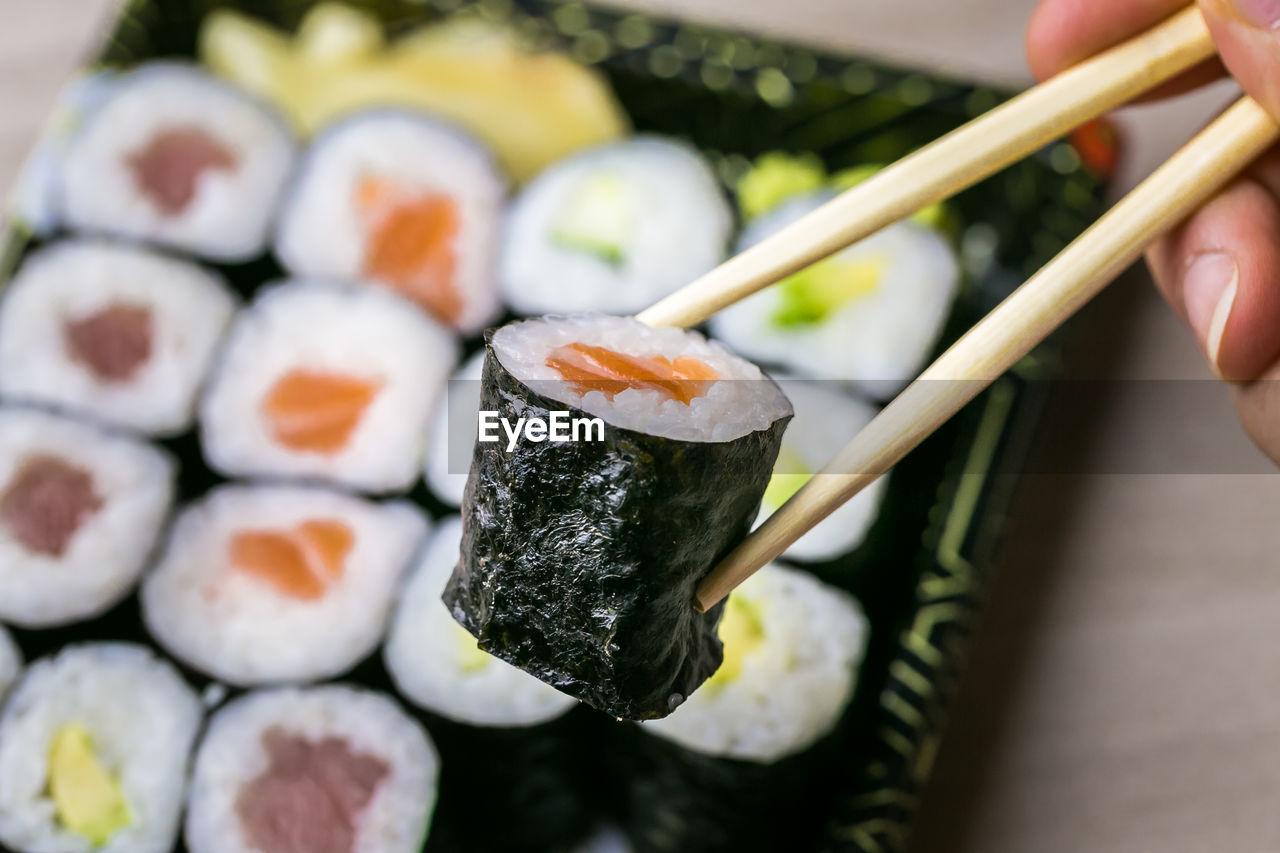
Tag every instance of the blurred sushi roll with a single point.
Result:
(173, 156)
(404, 201)
(80, 512)
(329, 769)
(95, 744)
(453, 433)
(715, 774)
(262, 584)
(870, 314)
(112, 332)
(498, 728)
(326, 381)
(614, 229)
(826, 417)
(436, 663)
(10, 662)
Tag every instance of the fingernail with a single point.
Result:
(1263, 14)
(1208, 292)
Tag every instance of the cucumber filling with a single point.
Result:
(597, 220)
(815, 293)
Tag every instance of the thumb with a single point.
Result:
(1247, 33)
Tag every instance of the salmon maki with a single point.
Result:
(263, 584)
(330, 382)
(172, 156)
(112, 332)
(580, 556)
(404, 202)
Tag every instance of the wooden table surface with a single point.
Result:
(1124, 693)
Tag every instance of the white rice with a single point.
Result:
(435, 662)
(142, 720)
(674, 220)
(322, 232)
(189, 310)
(10, 662)
(238, 627)
(825, 420)
(134, 483)
(231, 756)
(743, 400)
(877, 341)
(792, 688)
(453, 433)
(323, 326)
(229, 216)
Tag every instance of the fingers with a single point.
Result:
(1219, 272)
(1064, 32)
(1247, 33)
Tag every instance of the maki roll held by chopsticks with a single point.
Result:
(580, 557)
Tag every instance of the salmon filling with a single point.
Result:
(168, 169)
(47, 502)
(113, 342)
(409, 244)
(593, 368)
(311, 410)
(303, 563)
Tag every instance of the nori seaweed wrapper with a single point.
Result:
(534, 788)
(677, 800)
(580, 559)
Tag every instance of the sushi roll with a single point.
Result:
(403, 201)
(328, 769)
(10, 662)
(453, 433)
(112, 332)
(747, 747)
(436, 664)
(825, 418)
(261, 584)
(95, 744)
(174, 157)
(326, 381)
(614, 229)
(80, 512)
(498, 728)
(870, 314)
(581, 552)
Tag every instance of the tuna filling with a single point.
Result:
(310, 797)
(113, 342)
(169, 168)
(46, 503)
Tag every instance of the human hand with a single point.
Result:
(1219, 270)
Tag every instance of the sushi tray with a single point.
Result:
(247, 277)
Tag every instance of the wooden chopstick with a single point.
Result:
(1024, 319)
(952, 163)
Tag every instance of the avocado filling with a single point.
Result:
(741, 632)
(471, 658)
(87, 800)
(597, 220)
(812, 295)
(789, 474)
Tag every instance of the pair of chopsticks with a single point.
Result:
(1046, 300)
